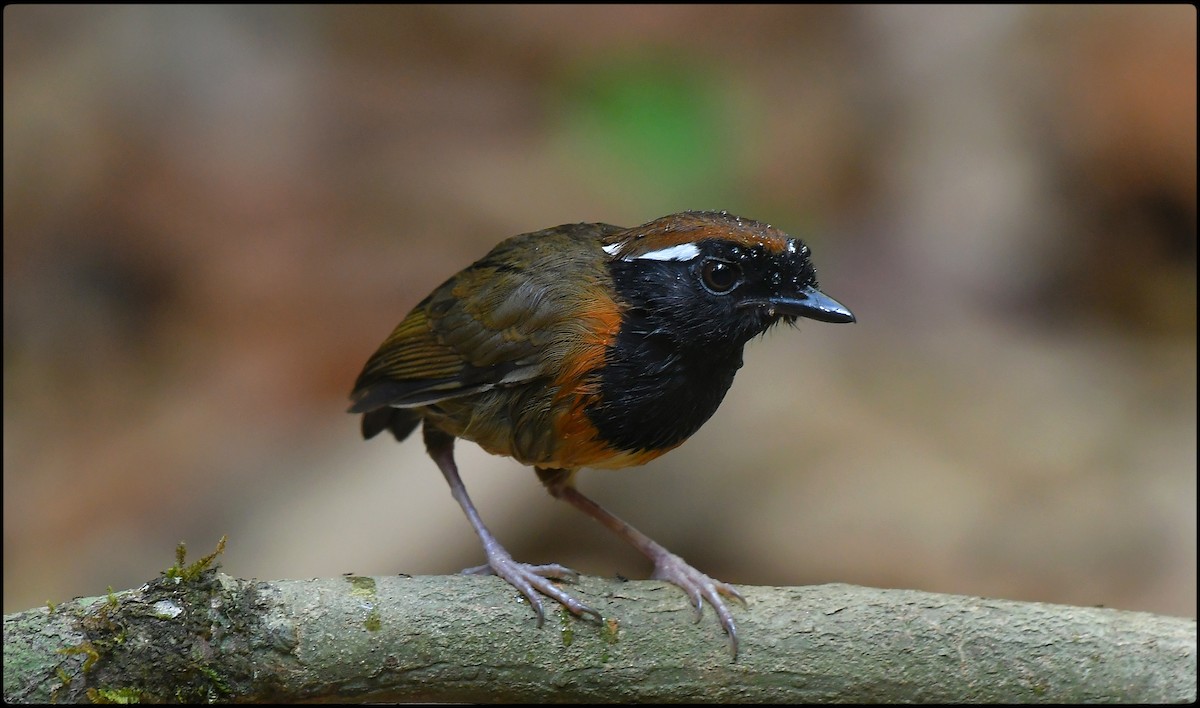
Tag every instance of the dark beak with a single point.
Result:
(812, 304)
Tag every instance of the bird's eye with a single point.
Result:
(720, 276)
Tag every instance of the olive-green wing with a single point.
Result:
(498, 322)
(435, 354)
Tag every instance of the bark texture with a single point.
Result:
(473, 639)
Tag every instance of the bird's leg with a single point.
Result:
(524, 577)
(667, 566)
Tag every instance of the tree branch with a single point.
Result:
(473, 639)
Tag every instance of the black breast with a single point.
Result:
(655, 391)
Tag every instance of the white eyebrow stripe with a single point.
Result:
(678, 252)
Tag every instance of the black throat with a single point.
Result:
(672, 361)
(654, 393)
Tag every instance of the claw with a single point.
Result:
(700, 589)
(530, 580)
(537, 607)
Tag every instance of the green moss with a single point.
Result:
(364, 587)
(101, 619)
(114, 695)
(186, 573)
(373, 622)
(609, 630)
(103, 633)
(156, 644)
(86, 648)
(216, 682)
(566, 627)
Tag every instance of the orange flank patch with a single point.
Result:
(599, 319)
(580, 445)
(577, 389)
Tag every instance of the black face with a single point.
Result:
(715, 292)
(690, 310)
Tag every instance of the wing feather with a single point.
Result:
(504, 320)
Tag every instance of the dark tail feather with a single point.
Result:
(401, 421)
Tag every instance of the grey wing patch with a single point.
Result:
(424, 392)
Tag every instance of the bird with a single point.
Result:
(589, 345)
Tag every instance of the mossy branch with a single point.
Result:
(472, 639)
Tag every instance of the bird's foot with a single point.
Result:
(700, 589)
(533, 579)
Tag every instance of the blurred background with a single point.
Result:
(213, 215)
